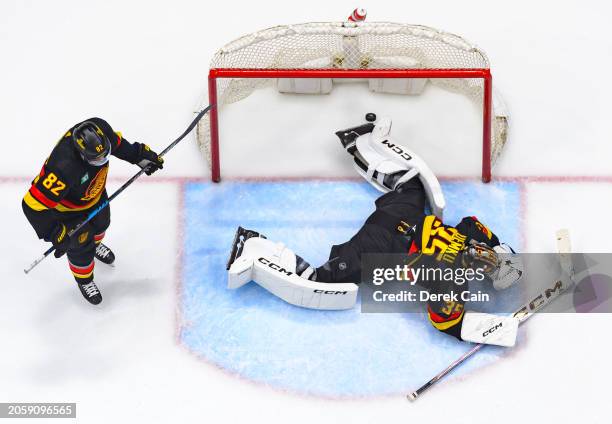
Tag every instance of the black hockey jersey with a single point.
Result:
(438, 245)
(67, 183)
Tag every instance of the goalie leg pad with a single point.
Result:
(273, 266)
(386, 165)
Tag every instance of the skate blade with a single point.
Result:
(235, 248)
(112, 265)
(241, 236)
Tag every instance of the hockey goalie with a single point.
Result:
(408, 220)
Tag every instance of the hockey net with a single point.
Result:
(390, 57)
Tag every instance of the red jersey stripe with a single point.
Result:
(81, 269)
(437, 318)
(38, 195)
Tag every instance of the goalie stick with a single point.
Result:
(105, 203)
(546, 297)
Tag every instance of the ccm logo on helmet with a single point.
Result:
(274, 266)
(492, 329)
(396, 149)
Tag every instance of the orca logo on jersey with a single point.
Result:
(397, 149)
(97, 185)
(492, 329)
(274, 266)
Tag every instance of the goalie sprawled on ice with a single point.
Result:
(407, 220)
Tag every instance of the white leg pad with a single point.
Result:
(272, 266)
(386, 156)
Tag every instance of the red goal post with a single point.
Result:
(355, 51)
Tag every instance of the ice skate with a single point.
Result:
(104, 254)
(240, 237)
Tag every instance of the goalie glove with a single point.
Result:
(510, 267)
(478, 327)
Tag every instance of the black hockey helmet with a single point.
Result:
(91, 143)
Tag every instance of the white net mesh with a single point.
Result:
(347, 45)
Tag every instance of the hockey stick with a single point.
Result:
(524, 313)
(105, 203)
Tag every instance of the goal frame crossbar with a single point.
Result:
(472, 73)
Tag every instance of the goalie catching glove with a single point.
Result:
(149, 160)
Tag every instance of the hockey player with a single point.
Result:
(401, 224)
(71, 182)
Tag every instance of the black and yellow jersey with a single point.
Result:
(67, 183)
(437, 245)
(444, 242)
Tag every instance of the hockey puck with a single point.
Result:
(370, 117)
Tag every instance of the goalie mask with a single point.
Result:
(91, 143)
(500, 263)
(481, 256)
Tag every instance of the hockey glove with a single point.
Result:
(149, 160)
(60, 239)
(510, 269)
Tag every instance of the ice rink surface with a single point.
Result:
(264, 339)
(169, 343)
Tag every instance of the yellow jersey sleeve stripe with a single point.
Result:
(33, 203)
